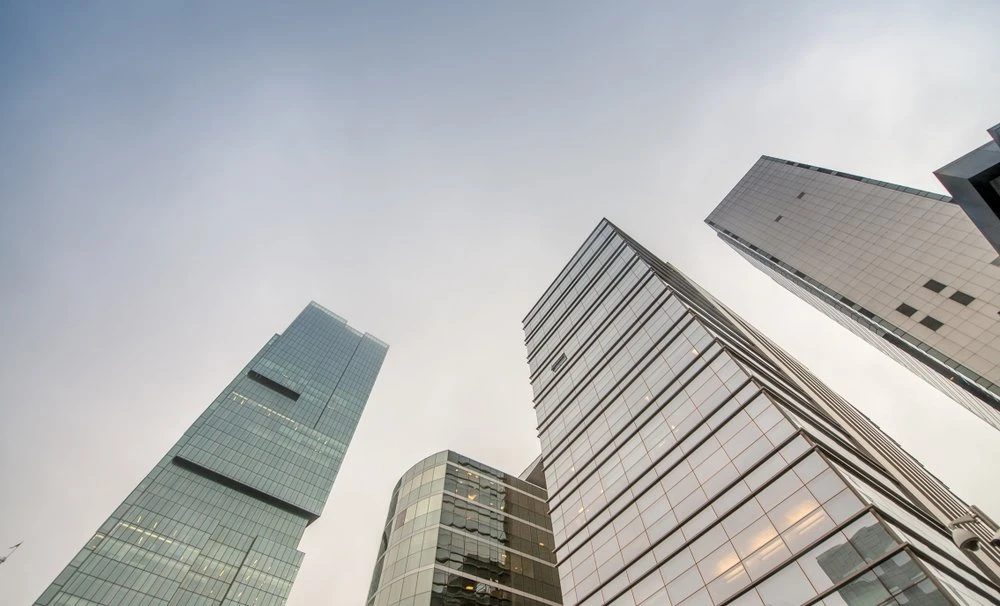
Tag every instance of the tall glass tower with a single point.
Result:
(690, 461)
(904, 269)
(219, 519)
(463, 533)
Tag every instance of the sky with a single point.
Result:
(179, 179)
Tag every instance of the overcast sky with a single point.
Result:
(178, 180)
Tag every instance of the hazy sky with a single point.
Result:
(178, 179)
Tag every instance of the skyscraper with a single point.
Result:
(219, 519)
(691, 461)
(904, 269)
(974, 183)
(460, 532)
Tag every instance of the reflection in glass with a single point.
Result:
(459, 532)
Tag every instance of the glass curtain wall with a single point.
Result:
(690, 461)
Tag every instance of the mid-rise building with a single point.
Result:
(690, 461)
(219, 519)
(904, 269)
(459, 532)
(974, 184)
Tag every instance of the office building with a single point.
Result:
(690, 461)
(974, 184)
(904, 269)
(219, 519)
(459, 532)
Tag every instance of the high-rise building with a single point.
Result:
(904, 269)
(691, 461)
(219, 519)
(974, 184)
(460, 532)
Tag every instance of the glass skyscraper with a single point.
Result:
(690, 461)
(904, 269)
(462, 533)
(219, 519)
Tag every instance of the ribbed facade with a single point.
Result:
(219, 519)
(690, 461)
(459, 532)
(904, 269)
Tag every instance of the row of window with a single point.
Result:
(930, 321)
(957, 296)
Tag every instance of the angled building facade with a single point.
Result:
(974, 184)
(219, 519)
(459, 532)
(689, 461)
(904, 269)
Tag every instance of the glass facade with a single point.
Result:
(690, 461)
(459, 532)
(219, 519)
(904, 269)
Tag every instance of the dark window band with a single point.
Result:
(273, 385)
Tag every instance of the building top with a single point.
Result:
(341, 319)
(885, 184)
(535, 473)
(974, 182)
(897, 266)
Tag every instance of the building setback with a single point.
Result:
(219, 519)
(690, 461)
(904, 269)
(974, 183)
(459, 532)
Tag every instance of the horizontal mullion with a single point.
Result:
(594, 258)
(642, 318)
(680, 441)
(680, 523)
(605, 293)
(707, 356)
(633, 375)
(563, 274)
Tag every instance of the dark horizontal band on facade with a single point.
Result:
(482, 538)
(273, 385)
(496, 584)
(228, 482)
(501, 482)
(501, 512)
